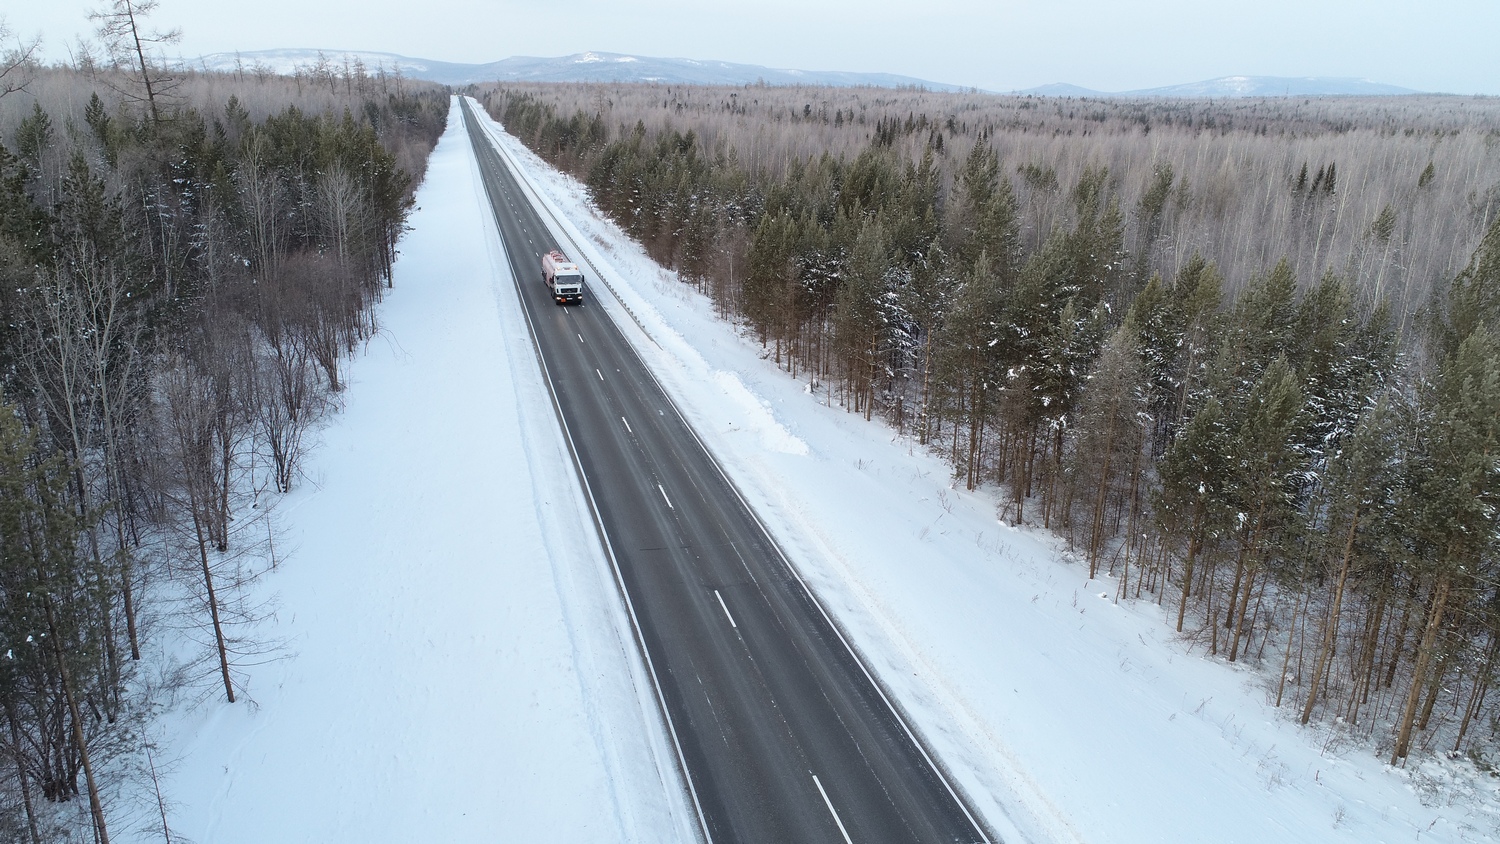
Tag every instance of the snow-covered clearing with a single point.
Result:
(463, 672)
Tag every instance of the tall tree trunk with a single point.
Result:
(140, 55)
(95, 806)
(35, 836)
(213, 600)
(1298, 613)
(1481, 689)
(1251, 571)
(1401, 631)
(1096, 527)
(923, 434)
(1434, 688)
(1365, 667)
(1419, 670)
(1195, 543)
(1330, 624)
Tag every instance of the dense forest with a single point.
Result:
(1244, 355)
(185, 261)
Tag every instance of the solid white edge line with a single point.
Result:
(609, 548)
(835, 812)
(726, 609)
(665, 498)
(897, 712)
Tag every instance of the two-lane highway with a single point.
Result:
(784, 735)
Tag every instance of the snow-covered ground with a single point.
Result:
(463, 671)
(459, 668)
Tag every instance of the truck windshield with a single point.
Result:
(570, 279)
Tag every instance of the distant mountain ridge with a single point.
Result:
(1241, 86)
(580, 67)
(619, 67)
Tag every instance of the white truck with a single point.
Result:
(563, 278)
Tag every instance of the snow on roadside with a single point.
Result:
(460, 667)
(1065, 716)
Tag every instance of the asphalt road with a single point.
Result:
(784, 735)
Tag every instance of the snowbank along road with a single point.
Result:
(783, 733)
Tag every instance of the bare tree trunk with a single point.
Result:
(213, 601)
(1239, 628)
(1194, 545)
(140, 55)
(1286, 662)
(1096, 525)
(95, 806)
(924, 433)
(1330, 624)
(1364, 668)
(1419, 670)
(1394, 657)
(161, 803)
(1434, 688)
(25, 781)
(1131, 524)
(1481, 689)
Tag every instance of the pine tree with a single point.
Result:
(1154, 323)
(1110, 429)
(1474, 296)
(912, 222)
(34, 138)
(1363, 493)
(1152, 214)
(1456, 497)
(103, 128)
(1063, 356)
(924, 298)
(1338, 375)
(1196, 292)
(859, 322)
(768, 275)
(1193, 501)
(977, 183)
(1257, 331)
(968, 363)
(1265, 481)
(47, 629)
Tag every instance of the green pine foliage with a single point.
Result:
(1244, 428)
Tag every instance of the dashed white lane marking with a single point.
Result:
(833, 811)
(600, 374)
(665, 498)
(628, 428)
(726, 609)
(580, 338)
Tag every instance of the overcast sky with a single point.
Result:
(1431, 45)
